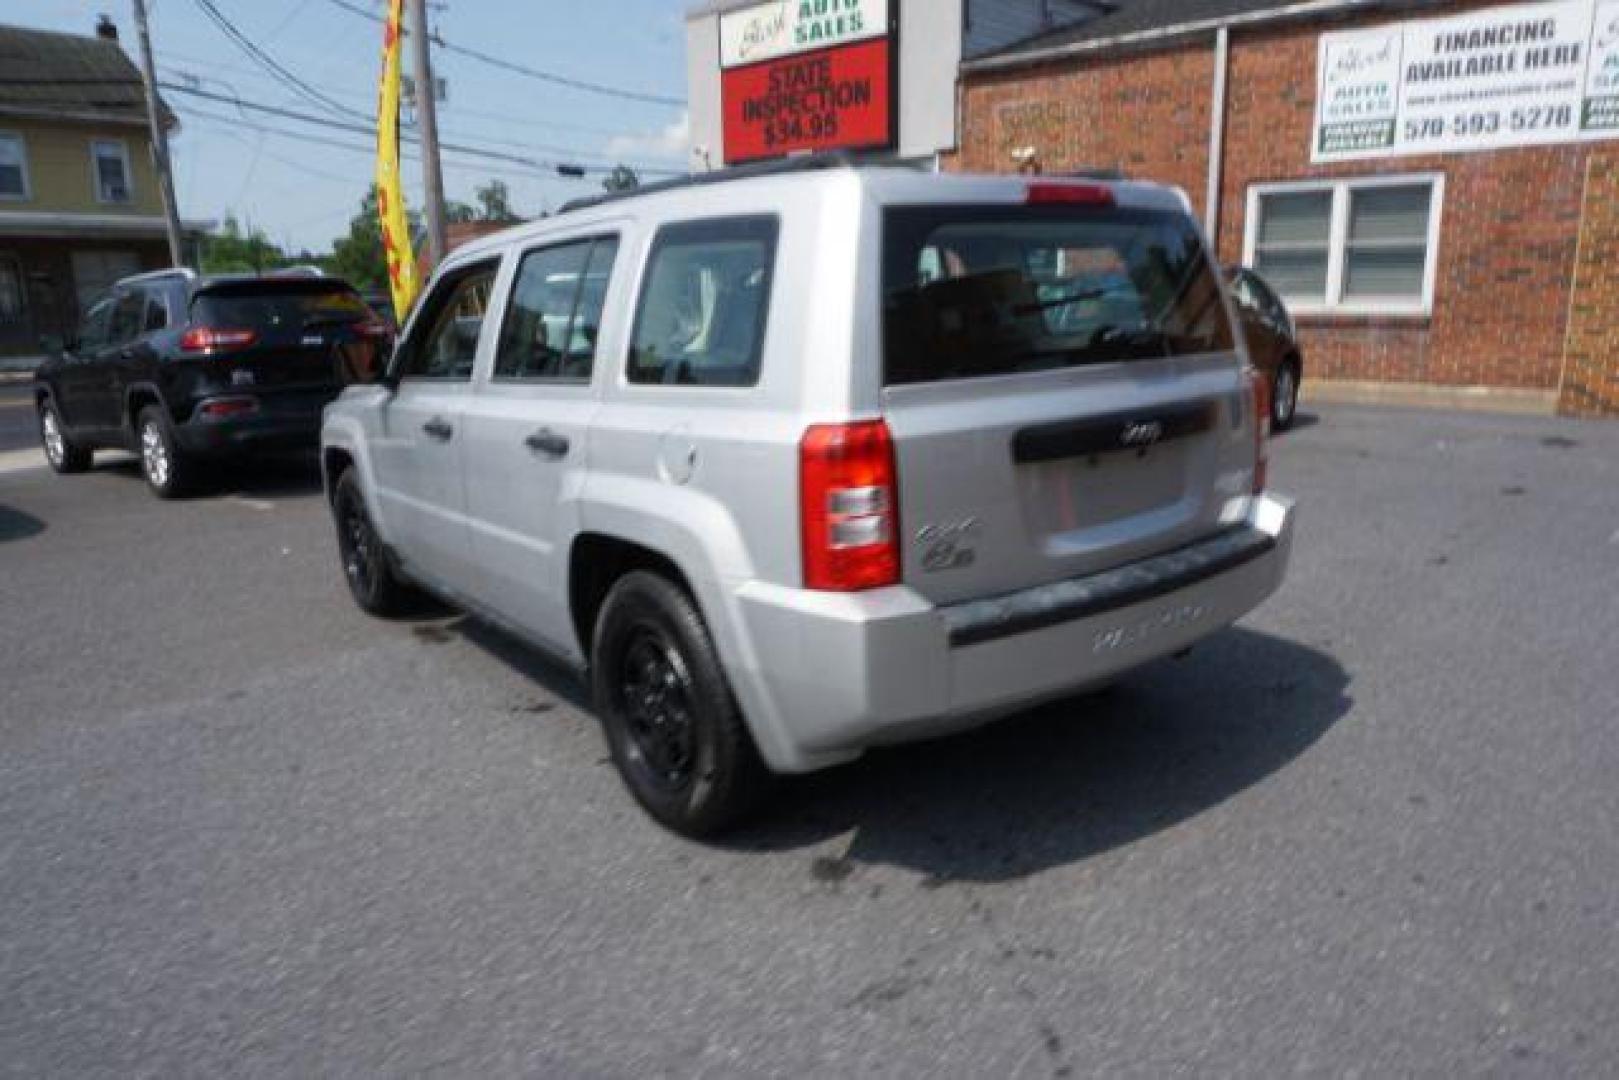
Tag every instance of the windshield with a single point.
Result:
(996, 290)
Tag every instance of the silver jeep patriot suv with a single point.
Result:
(801, 460)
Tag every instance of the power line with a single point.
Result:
(532, 73)
(370, 131)
(269, 63)
(456, 111)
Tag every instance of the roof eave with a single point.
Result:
(1163, 36)
(81, 116)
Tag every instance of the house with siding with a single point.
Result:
(79, 200)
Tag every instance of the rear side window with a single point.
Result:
(997, 290)
(701, 317)
(284, 308)
(554, 315)
(126, 317)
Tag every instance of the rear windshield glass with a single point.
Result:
(976, 291)
(279, 308)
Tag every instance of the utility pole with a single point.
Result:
(427, 127)
(160, 139)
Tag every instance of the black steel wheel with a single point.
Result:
(366, 569)
(677, 737)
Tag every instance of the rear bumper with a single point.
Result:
(281, 425)
(840, 672)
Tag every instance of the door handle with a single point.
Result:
(126, 354)
(438, 428)
(547, 442)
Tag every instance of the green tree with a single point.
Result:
(358, 257)
(495, 203)
(622, 178)
(232, 250)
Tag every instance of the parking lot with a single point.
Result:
(245, 828)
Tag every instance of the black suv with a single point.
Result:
(182, 369)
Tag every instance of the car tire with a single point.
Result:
(61, 453)
(367, 569)
(168, 471)
(1284, 396)
(675, 731)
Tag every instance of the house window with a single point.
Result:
(13, 167)
(1365, 246)
(111, 160)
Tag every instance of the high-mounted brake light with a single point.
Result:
(1259, 386)
(1069, 194)
(849, 507)
(211, 339)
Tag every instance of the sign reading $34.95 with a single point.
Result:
(1524, 75)
(806, 75)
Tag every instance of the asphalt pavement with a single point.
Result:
(245, 829)
(19, 428)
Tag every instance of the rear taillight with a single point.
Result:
(1259, 384)
(1049, 194)
(212, 339)
(849, 507)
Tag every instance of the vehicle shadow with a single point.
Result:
(1056, 785)
(1302, 420)
(17, 525)
(1073, 779)
(269, 478)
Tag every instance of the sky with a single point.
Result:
(302, 194)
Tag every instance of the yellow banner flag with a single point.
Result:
(403, 281)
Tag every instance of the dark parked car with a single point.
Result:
(184, 370)
(1273, 342)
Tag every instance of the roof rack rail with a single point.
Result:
(183, 272)
(779, 166)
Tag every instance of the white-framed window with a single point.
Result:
(110, 172)
(13, 166)
(1362, 246)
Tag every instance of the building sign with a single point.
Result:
(785, 27)
(835, 99)
(806, 75)
(1525, 75)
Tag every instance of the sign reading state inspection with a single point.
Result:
(1525, 75)
(806, 75)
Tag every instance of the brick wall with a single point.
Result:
(1510, 220)
(1591, 367)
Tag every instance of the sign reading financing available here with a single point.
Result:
(806, 75)
(1525, 75)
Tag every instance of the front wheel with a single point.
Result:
(63, 454)
(1284, 398)
(676, 734)
(370, 576)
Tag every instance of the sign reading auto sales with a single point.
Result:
(806, 75)
(1524, 75)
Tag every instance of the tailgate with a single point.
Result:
(295, 334)
(1062, 389)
